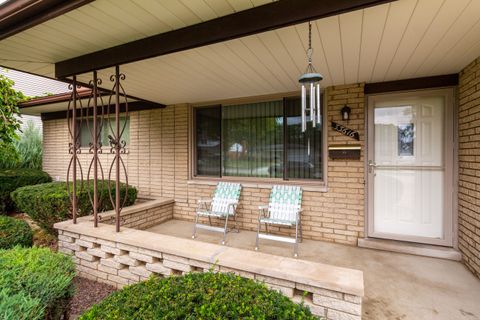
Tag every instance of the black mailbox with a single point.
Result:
(350, 152)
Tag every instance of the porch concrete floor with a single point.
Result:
(397, 286)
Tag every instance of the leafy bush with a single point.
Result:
(11, 179)
(14, 232)
(35, 283)
(49, 203)
(29, 147)
(9, 157)
(197, 296)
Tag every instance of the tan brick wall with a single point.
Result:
(158, 165)
(469, 166)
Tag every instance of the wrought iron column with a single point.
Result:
(95, 151)
(74, 154)
(117, 145)
(117, 148)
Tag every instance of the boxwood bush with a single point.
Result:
(14, 232)
(49, 203)
(35, 283)
(11, 179)
(197, 296)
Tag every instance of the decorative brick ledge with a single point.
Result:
(133, 255)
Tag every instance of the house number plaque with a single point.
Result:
(345, 131)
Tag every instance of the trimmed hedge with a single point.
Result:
(49, 203)
(35, 283)
(14, 232)
(197, 296)
(11, 179)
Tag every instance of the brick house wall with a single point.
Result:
(469, 166)
(158, 165)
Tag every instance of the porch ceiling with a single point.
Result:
(400, 40)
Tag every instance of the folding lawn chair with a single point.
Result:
(223, 205)
(284, 209)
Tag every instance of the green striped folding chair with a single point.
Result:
(223, 205)
(284, 209)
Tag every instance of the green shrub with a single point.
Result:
(35, 283)
(197, 296)
(49, 203)
(11, 179)
(29, 147)
(14, 232)
(9, 157)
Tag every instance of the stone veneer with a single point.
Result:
(158, 165)
(133, 255)
(469, 166)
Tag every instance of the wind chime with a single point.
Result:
(310, 82)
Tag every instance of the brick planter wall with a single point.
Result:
(141, 216)
(469, 166)
(132, 255)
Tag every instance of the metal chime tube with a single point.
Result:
(95, 152)
(117, 148)
(304, 105)
(312, 104)
(319, 106)
(74, 148)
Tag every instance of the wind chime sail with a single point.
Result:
(310, 90)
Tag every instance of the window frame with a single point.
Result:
(315, 184)
(122, 115)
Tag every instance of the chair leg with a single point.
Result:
(195, 226)
(295, 248)
(210, 220)
(301, 231)
(225, 230)
(235, 223)
(258, 238)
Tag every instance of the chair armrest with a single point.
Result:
(263, 207)
(204, 201)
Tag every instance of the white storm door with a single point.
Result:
(409, 167)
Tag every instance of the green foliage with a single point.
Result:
(9, 100)
(49, 203)
(35, 283)
(14, 232)
(197, 296)
(11, 179)
(9, 158)
(30, 148)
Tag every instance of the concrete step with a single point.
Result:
(411, 248)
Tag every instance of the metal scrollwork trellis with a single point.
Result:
(96, 118)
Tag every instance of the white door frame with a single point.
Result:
(449, 200)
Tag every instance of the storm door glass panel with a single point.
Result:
(208, 133)
(410, 167)
(304, 149)
(252, 140)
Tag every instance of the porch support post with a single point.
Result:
(95, 151)
(117, 148)
(74, 148)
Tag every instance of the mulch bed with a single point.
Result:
(87, 293)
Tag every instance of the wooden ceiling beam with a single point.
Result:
(255, 20)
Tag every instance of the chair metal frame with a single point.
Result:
(205, 209)
(264, 216)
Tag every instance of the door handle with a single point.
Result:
(371, 165)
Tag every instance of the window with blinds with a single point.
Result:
(262, 140)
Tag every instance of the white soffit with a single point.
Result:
(400, 40)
